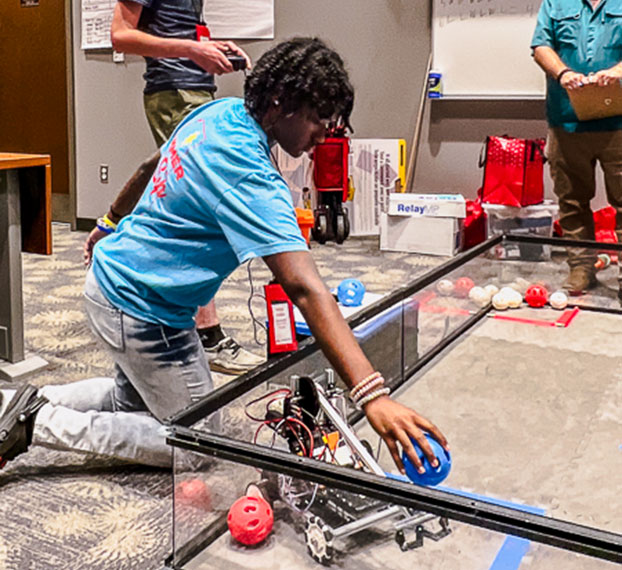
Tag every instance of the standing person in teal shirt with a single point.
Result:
(578, 42)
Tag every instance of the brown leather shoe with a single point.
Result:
(580, 280)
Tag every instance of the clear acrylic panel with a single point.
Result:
(529, 398)
(314, 525)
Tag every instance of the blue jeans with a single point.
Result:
(158, 368)
(159, 371)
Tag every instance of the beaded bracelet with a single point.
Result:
(373, 385)
(372, 396)
(363, 383)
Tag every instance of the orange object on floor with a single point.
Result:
(305, 222)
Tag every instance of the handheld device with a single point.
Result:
(237, 61)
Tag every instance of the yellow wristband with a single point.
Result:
(109, 222)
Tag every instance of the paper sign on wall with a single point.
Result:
(96, 20)
(239, 19)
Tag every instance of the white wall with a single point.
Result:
(110, 125)
(453, 136)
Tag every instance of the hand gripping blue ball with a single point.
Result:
(431, 476)
(350, 292)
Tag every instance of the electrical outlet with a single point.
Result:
(103, 173)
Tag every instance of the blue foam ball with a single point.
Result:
(431, 476)
(350, 292)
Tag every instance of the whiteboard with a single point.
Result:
(482, 48)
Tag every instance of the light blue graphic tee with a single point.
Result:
(214, 202)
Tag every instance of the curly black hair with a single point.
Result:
(300, 72)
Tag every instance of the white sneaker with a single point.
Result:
(229, 357)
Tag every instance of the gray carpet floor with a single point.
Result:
(68, 511)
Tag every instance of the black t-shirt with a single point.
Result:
(173, 19)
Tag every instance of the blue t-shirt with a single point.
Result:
(587, 41)
(173, 19)
(214, 202)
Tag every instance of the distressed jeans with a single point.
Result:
(159, 372)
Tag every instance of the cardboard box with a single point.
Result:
(431, 205)
(423, 223)
(421, 234)
(377, 169)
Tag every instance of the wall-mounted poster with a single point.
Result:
(96, 20)
(240, 19)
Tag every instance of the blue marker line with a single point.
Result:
(513, 548)
(510, 554)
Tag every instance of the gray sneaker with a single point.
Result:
(229, 357)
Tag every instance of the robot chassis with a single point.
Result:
(331, 514)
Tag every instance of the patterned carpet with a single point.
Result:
(69, 511)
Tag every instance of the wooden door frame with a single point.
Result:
(65, 210)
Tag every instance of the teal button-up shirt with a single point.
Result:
(587, 40)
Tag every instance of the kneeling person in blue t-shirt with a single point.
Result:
(214, 202)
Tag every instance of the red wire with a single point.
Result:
(300, 442)
(286, 391)
(308, 431)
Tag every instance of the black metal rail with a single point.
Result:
(545, 530)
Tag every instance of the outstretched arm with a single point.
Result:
(127, 38)
(297, 274)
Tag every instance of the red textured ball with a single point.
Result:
(194, 493)
(536, 296)
(250, 520)
(463, 285)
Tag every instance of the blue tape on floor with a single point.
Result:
(510, 554)
(513, 548)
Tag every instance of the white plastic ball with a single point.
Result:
(500, 301)
(491, 289)
(521, 285)
(445, 287)
(479, 296)
(558, 300)
(515, 299)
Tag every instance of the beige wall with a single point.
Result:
(384, 42)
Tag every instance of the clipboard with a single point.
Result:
(596, 102)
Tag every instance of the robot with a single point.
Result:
(330, 176)
(311, 418)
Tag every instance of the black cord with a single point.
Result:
(256, 321)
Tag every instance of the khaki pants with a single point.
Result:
(572, 158)
(166, 109)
